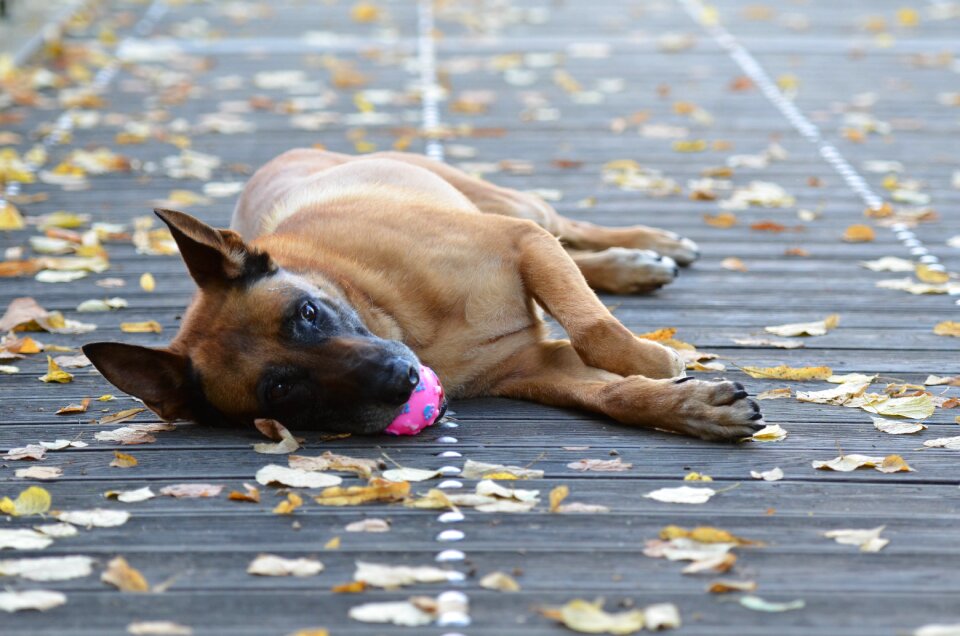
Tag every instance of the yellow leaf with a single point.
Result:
(722, 220)
(364, 12)
(55, 373)
(10, 217)
(771, 433)
(859, 234)
(149, 326)
(916, 407)
(288, 505)
(123, 460)
(695, 476)
(125, 578)
(147, 282)
(500, 476)
(784, 372)
(932, 276)
(690, 145)
(377, 490)
(32, 501)
(908, 17)
(332, 544)
(557, 495)
(947, 328)
(590, 618)
(659, 335)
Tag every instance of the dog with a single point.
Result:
(340, 274)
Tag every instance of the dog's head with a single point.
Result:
(260, 341)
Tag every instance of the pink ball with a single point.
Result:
(423, 408)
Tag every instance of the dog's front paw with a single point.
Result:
(681, 249)
(715, 411)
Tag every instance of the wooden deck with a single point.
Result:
(621, 66)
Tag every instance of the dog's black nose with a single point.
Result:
(399, 379)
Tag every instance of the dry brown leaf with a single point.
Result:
(127, 414)
(774, 394)
(125, 578)
(847, 463)
(288, 505)
(147, 326)
(499, 581)
(251, 494)
(725, 586)
(733, 263)
(722, 220)
(294, 477)
(480, 470)
(72, 409)
(783, 372)
(286, 442)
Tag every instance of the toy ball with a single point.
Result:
(425, 406)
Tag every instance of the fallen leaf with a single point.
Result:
(272, 565)
(847, 463)
(734, 264)
(817, 328)
(294, 477)
(721, 220)
(576, 507)
(774, 474)
(376, 490)
(31, 600)
(332, 544)
(396, 576)
(403, 613)
(56, 530)
(55, 373)
(499, 581)
(937, 630)
(39, 472)
(770, 433)
(147, 282)
(251, 494)
(48, 568)
(859, 378)
(774, 394)
(897, 427)
(30, 452)
(480, 470)
(783, 372)
(917, 407)
(769, 342)
(600, 465)
(867, 540)
(331, 461)
(158, 628)
(758, 604)
(409, 474)
(725, 586)
(72, 409)
(557, 495)
(369, 525)
(32, 501)
(23, 539)
(148, 326)
(937, 380)
(840, 395)
(947, 328)
(94, 518)
(288, 505)
(125, 578)
(123, 460)
(590, 618)
(944, 442)
(889, 264)
(131, 496)
(127, 414)
(859, 234)
(683, 494)
(286, 442)
(192, 491)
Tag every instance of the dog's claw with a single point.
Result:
(682, 380)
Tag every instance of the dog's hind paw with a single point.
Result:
(623, 270)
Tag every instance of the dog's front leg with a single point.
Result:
(552, 372)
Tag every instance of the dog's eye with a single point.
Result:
(308, 311)
(278, 391)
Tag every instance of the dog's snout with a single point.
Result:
(400, 378)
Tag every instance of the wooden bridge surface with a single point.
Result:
(567, 87)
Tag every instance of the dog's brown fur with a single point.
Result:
(454, 267)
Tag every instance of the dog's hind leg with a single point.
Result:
(577, 235)
(554, 281)
(552, 372)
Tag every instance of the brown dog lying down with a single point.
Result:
(340, 272)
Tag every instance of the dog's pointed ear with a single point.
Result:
(214, 256)
(159, 377)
